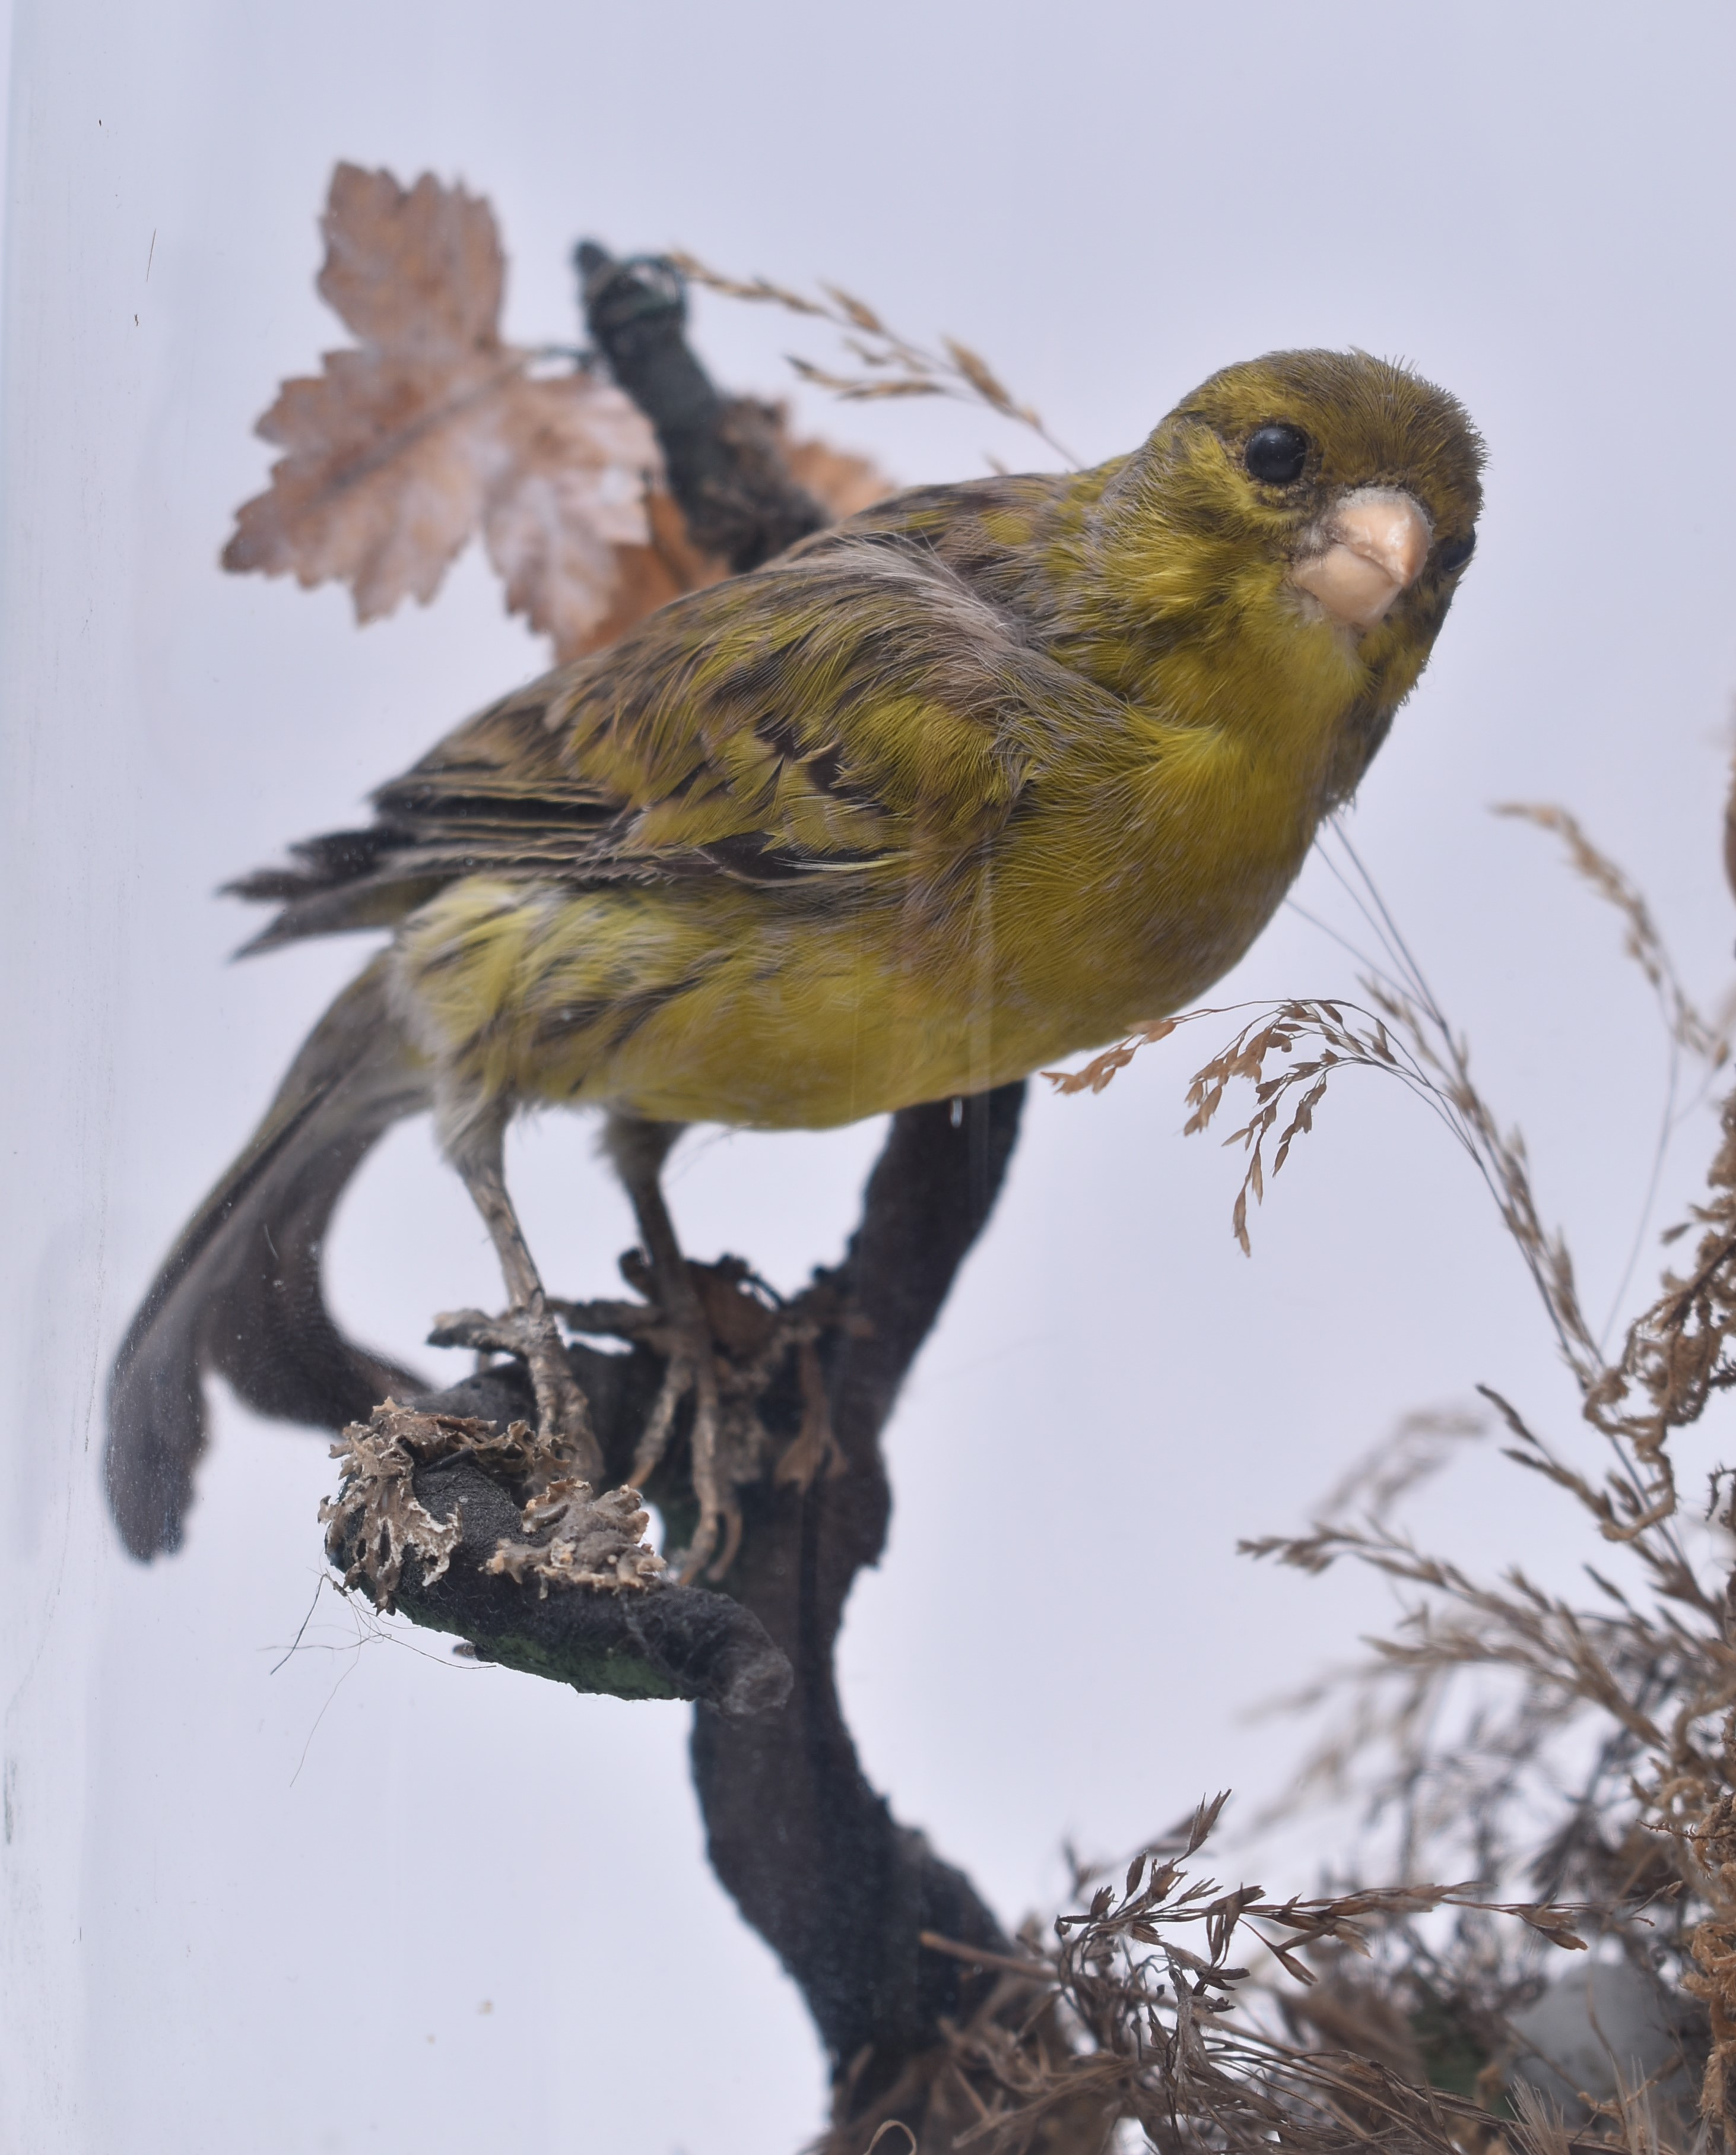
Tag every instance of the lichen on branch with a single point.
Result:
(570, 1537)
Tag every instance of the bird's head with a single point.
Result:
(1305, 514)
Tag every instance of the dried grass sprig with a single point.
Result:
(1648, 1676)
(890, 364)
(1402, 1036)
(1589, 1745)
(1658, 1673)
(1699, 1036)
(1675, 1354)
(1122, 2021)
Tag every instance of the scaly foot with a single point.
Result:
(692, 1367)
(532, 1332)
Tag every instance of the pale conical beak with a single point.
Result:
(1371, 548)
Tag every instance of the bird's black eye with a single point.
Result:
(1276, 454)
(1456, 552)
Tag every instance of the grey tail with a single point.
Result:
(240, 1293)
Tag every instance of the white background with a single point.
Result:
(261, 1907)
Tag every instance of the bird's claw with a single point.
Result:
(677, 1324)
(722, 1337)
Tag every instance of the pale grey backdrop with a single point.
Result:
(370, 1899)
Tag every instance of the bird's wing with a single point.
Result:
(857, 707)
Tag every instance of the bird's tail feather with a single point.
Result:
(240, 1292)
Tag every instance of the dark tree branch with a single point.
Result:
(671, 1642)
(814, 1857)
(721, 453)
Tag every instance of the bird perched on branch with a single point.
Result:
(982, 777)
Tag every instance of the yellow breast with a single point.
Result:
(1131, 879)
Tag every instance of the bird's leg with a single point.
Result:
(638, 1150)
(530, 1328)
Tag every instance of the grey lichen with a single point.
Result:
(569, 1537)
(575, 1539)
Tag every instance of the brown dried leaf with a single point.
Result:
(648, 576)
(418, 271)
(399, 451)
(572, 459)
(379, 489)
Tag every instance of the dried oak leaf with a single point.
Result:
(432, 429)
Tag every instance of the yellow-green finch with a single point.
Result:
(980, 778)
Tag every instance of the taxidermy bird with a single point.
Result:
(983, 776)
